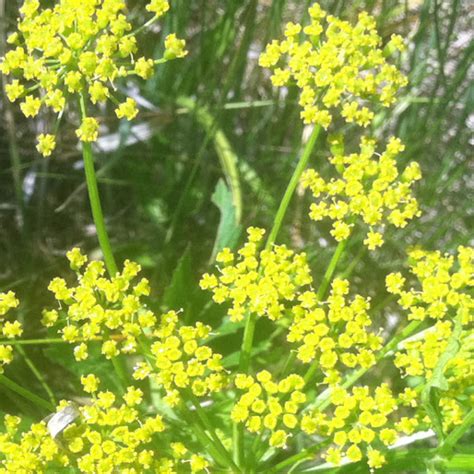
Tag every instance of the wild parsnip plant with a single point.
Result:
(178, 405)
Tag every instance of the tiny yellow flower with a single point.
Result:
(46, 144)
(174, 47)
(128, 109)
(90, 383)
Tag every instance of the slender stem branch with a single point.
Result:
(290, 190)
(307, 453)
(208, 425)
(94, 198)
(323, 287)
(32, 342)
(206, 442)
(38, 375)
(143, 27)
(249, 331)
(25, 393)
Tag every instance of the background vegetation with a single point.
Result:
(213, 129)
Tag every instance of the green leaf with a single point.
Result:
(229, 230)
(177, 294)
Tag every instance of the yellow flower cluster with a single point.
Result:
(179, 360)
(370, 187)
(335, 64)
(444, 285)
(77, 48)
(258, 281)
(269, 405)
(103, 437)
(337, 334)
(98, 308)
(8, 329)
(359, 423)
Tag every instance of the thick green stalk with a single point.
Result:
(94, 199)
(23, 392)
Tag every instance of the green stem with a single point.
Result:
(95, 201)
(247, 342)
(290, 190)
(307, 453)
(32, 342)
(341, 247)
(208, 425)
(38, 375)
(206, 442)
(143, 27)
(23, 392)
(238, 443)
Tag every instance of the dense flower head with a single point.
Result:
(8, 329)
(98, 308)
(361, 422)
(370, 187)
(269, 406)
(335, 333)
(179, 360)
(257, 281)
(77, 50)
(108, 435)
(335, 65)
